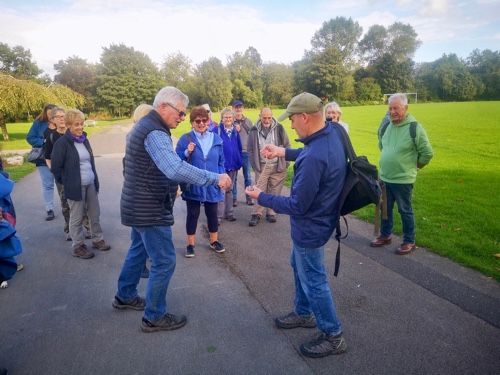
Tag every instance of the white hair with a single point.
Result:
(399, 96)
(170, 95)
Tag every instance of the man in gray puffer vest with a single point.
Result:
(151, 170)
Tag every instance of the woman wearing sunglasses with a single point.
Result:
(203, 149)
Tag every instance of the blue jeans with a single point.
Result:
(47, 186)
(312, 292)
(155, 243)
(246, 175)
(400, 194)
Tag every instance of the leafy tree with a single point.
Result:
(126, 78)
(374, 43)
(215, 83)
(392, 75)
(452, 80)
(177, 71)
(341, 34)
(80, 76)
(17, 62)
(278, 83)
(368, 90)
(485, 65)
(325, 76)
(246, 74)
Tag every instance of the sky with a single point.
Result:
(280, 30)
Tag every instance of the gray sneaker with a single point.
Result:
(293, 320)
(136, 303)
(322, 345)
(167, 322)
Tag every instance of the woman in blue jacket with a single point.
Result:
(203, 149)
(233, 159)
(35, 139)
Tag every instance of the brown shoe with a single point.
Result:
(381, 241)
(249, 201)
(405, 248)
(81, 251)
(101, 245)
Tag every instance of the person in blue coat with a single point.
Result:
(204, 150)
(35, 139)
(233, 159)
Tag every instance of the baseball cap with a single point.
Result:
(302, 103)
(237, 103)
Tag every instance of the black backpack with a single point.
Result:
(361, 187)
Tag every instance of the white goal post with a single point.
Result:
(386, 96)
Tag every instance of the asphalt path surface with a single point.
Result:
(414, 314)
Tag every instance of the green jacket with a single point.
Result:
(399, 158)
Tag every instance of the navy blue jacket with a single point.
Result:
(233, 160)
(66, 166)
(319, 174)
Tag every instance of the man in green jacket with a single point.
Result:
(403, 154)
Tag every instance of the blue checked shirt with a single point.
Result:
(159, 146)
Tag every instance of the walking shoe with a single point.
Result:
(217, 246)
(88, 235)
(189, 252)
(68, 237)
(381, 241)
(81, 251)
(168, 322)
(50, 215)
(322, 345)
(249, 201)
(145, 272)
(293, 320)
(231, 218)
(101, 245)
(271, 218)
(136, 303)
(235, 203)
(405, 248)
(254, 220)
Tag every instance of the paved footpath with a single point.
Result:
(415, 314)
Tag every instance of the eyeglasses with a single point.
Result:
(181, 113)
(59, 116)
(227, 117)
(198, 122)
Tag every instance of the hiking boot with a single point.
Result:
(235, 203)
(405, 248)
(254, 220)
(271, 218)
(249, 201)
(189, 252)
(322, 345)
(381, 241)
(231, 218)
(136, 303)
(293, 320)
(50, 215)
(101, 245)
(81, 251)
(145, 272)
(168, 322)
(217, 246)
(68, 237)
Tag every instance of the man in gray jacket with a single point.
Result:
(270, 174)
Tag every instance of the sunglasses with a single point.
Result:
(181, 113)
(198, 122)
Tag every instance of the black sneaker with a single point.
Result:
(168, 322)
(189, 252)
(254, 220)
(322, 345)
(136, 303)
(217, 246)
(235, 203)
(271, 218)
(50, 215)
(293, 320)
(231, 218)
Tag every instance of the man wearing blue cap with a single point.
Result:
(243, 125)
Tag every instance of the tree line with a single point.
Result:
(340, 65)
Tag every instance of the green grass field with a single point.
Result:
(456, 198)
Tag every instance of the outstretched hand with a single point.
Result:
(272, 151)
(225, 181)
(253, 191)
